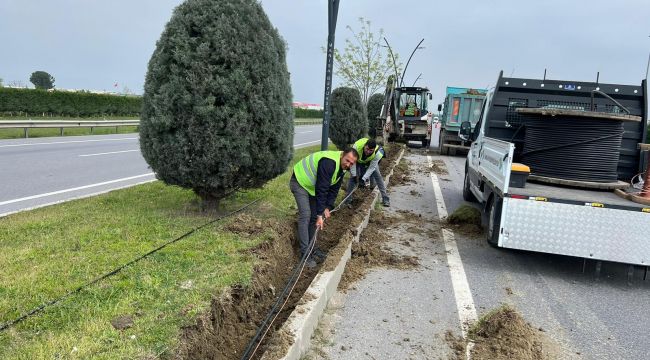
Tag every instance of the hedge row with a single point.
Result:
(31, 102)
(18, 102)
(307, 113)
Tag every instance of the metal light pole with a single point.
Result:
(390, 50)
(407, 63)
(416, 80)
(332, 15)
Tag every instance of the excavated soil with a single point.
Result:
(236, 314)
(465, 220)
(503, 334)
(370, 251)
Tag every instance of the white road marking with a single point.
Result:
(76, 197)
(307, 143)
(107, 153)
(73, 189)
(304, 132)
(66, 142)
(463, 294)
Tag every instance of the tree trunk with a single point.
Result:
(209, 201)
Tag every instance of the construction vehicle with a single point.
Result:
(461, 104)
(405, 115)
(552, 163)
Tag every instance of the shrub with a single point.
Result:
(217, 112)
(62, 103)
(308, 113)
(348, 120)
(375, 103)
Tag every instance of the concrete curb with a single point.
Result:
(304, 319)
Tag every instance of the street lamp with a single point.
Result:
(390, 50)
(407, 63)
(332, 15)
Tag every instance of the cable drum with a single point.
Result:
(573, 148)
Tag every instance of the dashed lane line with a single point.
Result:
(462, 293)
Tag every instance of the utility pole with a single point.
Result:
(332, 15)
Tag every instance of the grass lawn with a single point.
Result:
(48, 251)
(45, 132)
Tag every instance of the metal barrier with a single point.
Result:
(61, 124)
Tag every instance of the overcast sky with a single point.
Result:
(92, 44)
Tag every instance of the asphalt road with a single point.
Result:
(42, 171)
(404, 314)
(597, 318)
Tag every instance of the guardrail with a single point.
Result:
(62, 124)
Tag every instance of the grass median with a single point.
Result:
(46, 252)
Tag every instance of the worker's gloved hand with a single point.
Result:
(320, 223)
(366, 183)
(327, 213)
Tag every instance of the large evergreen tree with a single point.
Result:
(42, 80)
(348, 122)
(217, 112)
(375, 103)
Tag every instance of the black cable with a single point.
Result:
(573, 149)
(264, 327)
(116, 270)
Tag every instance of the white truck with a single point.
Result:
(559, 215)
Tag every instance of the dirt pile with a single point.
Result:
(465, 220)
(370, 251)
(401, 175)
(504, 334)
(236, 314)
(437, 166)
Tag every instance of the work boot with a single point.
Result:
(310, 264)
(318, 255)
(385, 202)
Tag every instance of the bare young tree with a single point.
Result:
(365, 63)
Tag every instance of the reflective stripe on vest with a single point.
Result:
(358, 145)
(306, 169)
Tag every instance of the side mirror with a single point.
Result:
(465, 130)
(430, 96)
(439, 107)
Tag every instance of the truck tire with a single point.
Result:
(494, 219)
(444, 150)
(467, 193)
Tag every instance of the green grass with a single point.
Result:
(48, 251)
(44, 132)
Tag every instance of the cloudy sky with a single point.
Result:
(93, 44)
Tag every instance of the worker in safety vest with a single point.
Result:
(315, 183)
(367, 168)
(410, 109)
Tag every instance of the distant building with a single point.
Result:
(306, 106)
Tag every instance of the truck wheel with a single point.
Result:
(494, 219)
(467, 193)
(441, 144)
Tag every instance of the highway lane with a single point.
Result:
(41, 171)
(594, 318)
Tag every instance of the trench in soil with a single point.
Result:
(235, 315)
